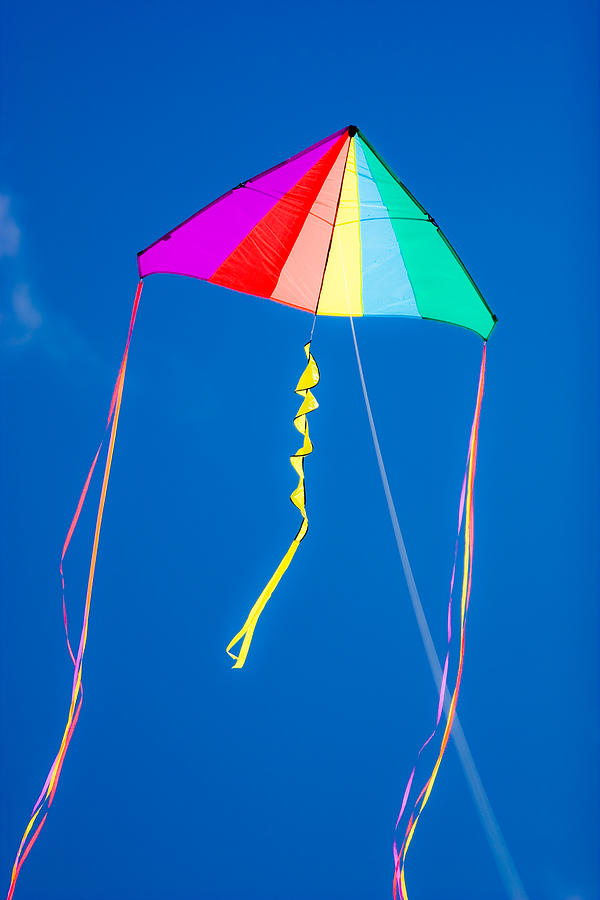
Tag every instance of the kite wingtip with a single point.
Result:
(494, 323)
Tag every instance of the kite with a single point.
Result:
(331, 231)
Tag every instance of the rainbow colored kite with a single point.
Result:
(331, 231)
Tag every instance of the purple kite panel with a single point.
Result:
(198, 246)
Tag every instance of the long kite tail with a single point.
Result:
(466, 509)
(44, 801)
(308, 380)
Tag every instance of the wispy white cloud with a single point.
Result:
(20, 319)
(10, 233)
(25, 312)
(23, 320)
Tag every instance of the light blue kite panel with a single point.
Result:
(386, 289)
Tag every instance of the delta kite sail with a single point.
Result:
(331, 231)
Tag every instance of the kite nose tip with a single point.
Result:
(352, 129)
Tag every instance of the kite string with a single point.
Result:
(399, 884)
(46, 796)
(308, 380)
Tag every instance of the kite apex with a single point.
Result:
(352, 129)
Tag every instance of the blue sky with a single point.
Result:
(188, 780)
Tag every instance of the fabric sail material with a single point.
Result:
(333, 231)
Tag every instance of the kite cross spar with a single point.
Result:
(331, 231)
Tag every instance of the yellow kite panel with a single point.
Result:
(341, 291)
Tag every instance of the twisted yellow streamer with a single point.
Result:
(308, 380)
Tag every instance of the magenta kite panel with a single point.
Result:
(199, 246)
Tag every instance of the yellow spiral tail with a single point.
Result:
(308, 380)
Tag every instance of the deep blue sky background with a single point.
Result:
(188, 780)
